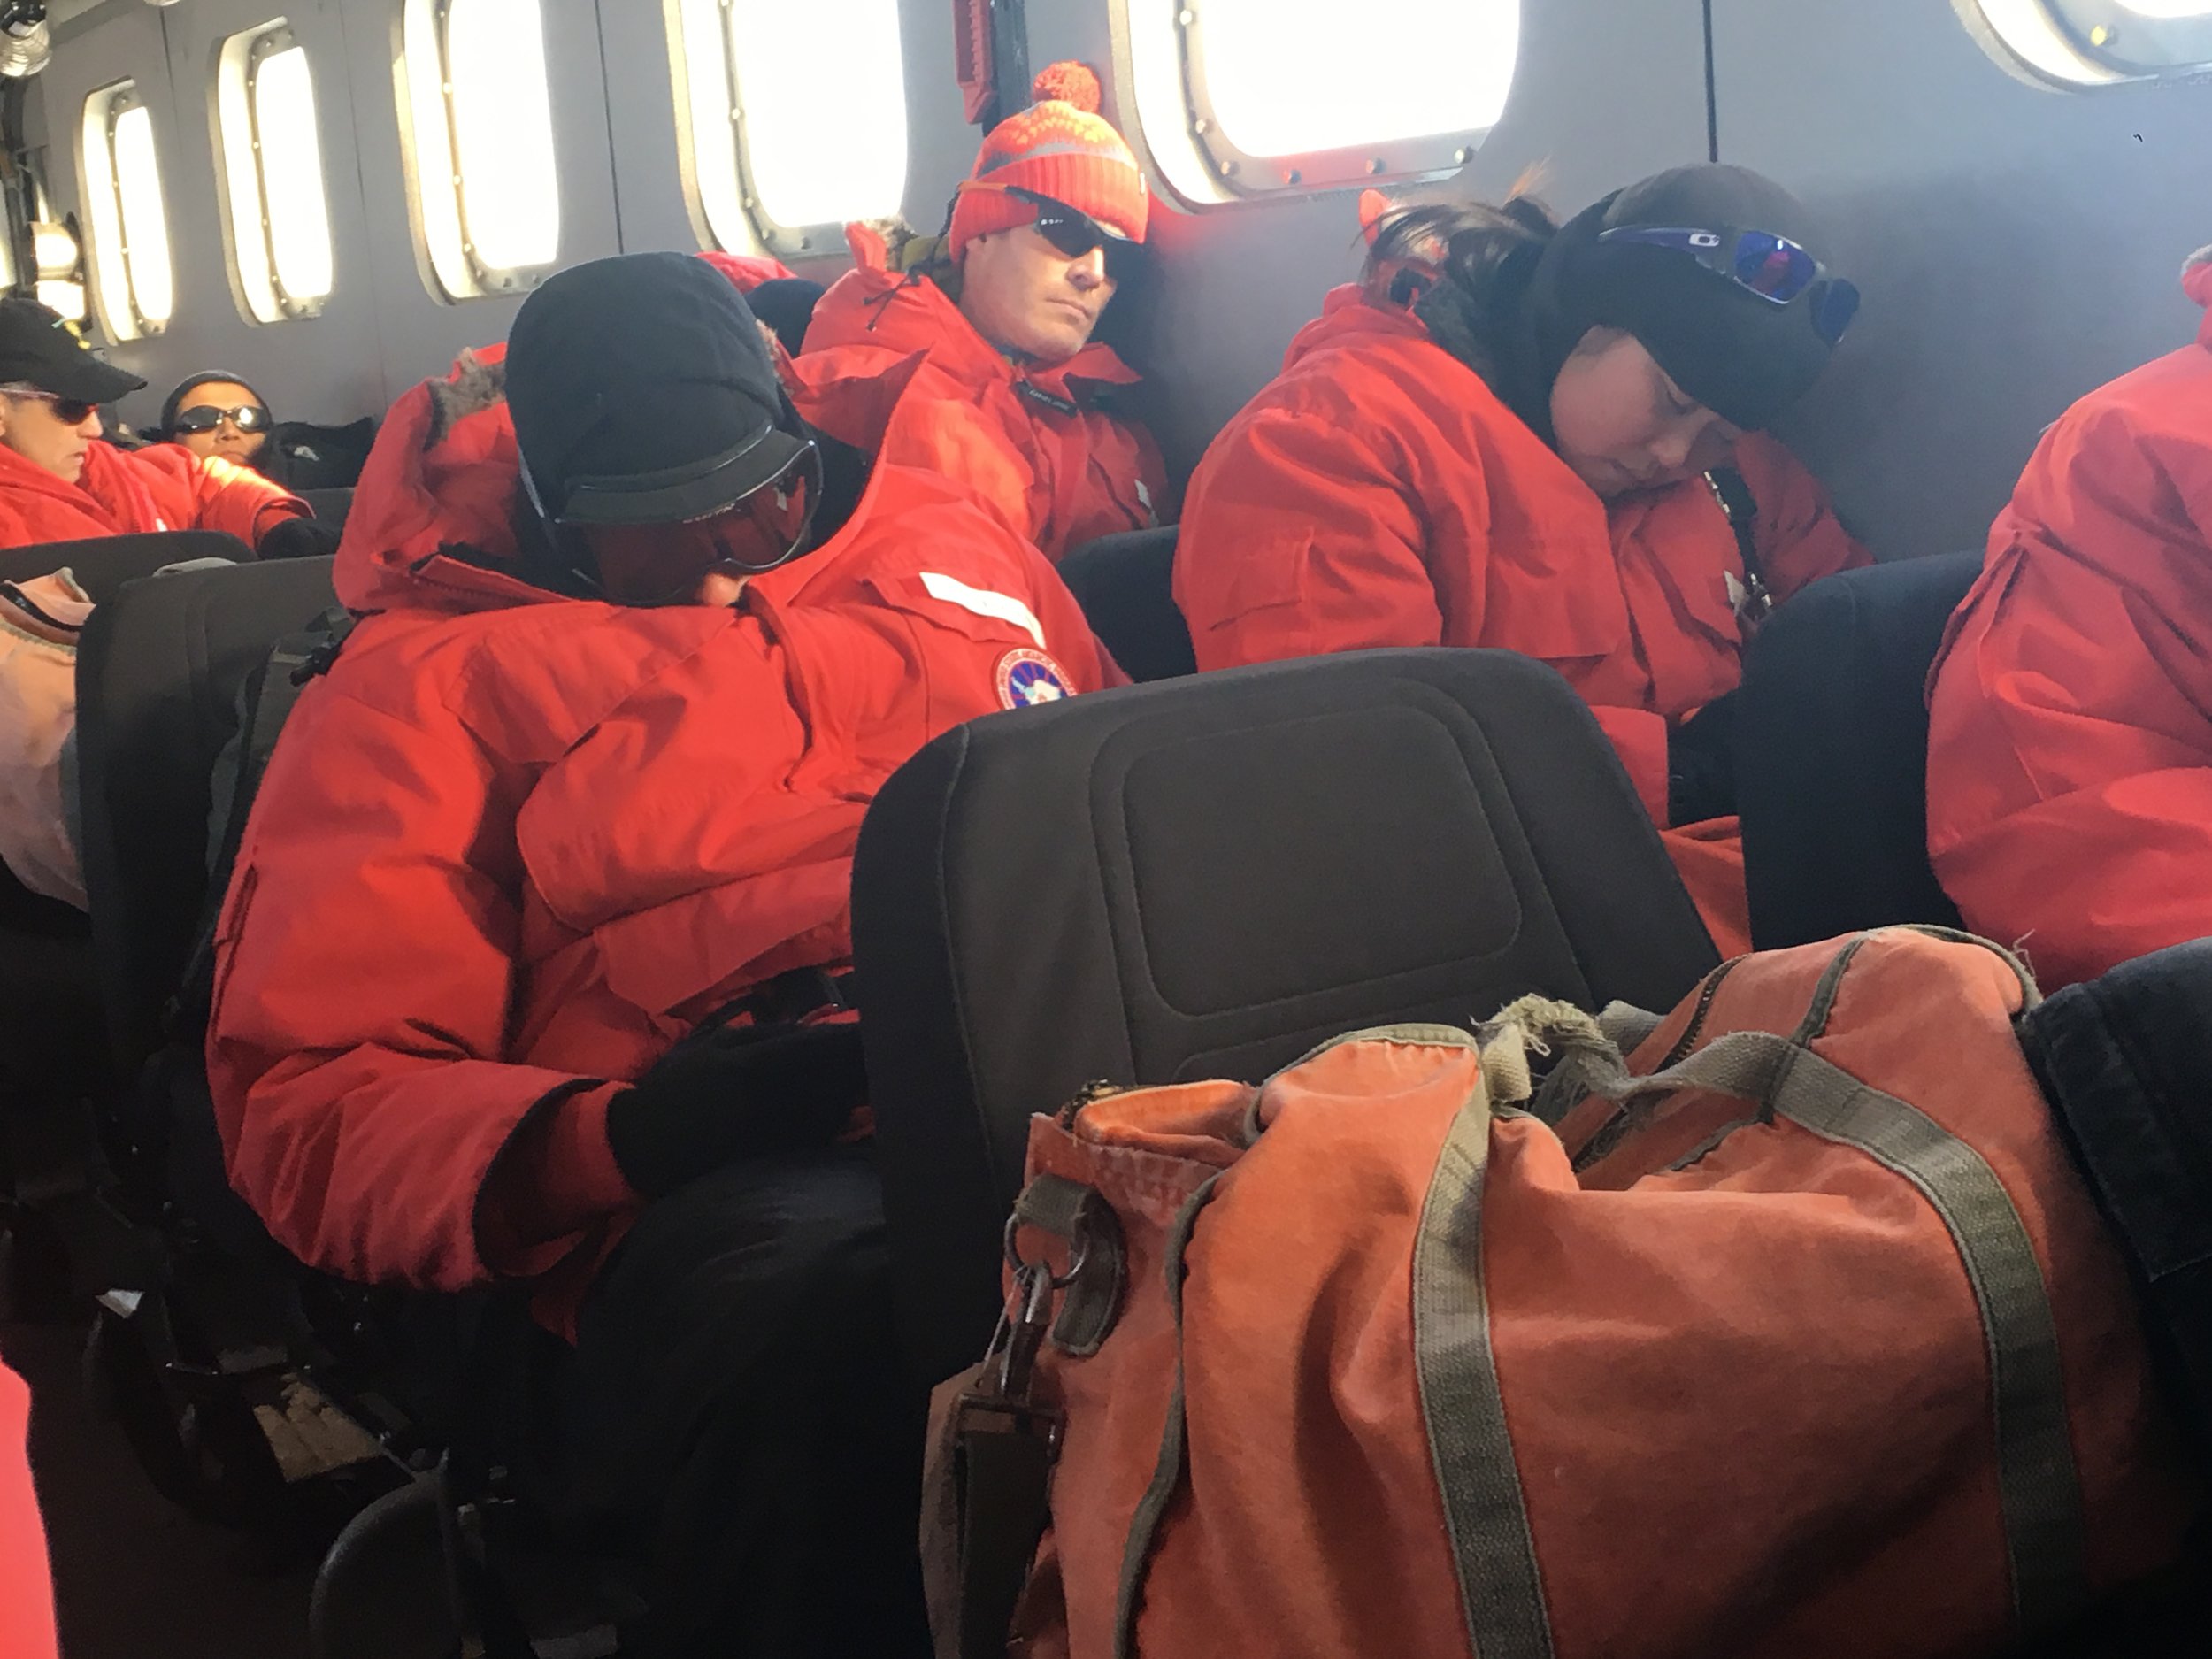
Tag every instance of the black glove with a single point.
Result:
(298, 539)
(728, 1094)
(1702, 764)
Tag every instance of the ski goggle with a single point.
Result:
(1774, 268)
(71, 411)
(1074, 233)
(207, 417)
(687, 521)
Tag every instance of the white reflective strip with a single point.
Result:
(985, 602)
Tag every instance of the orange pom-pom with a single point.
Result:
(1374, 207)
(1070, 82)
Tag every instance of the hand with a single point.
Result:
(735, 1093)
(298, 539)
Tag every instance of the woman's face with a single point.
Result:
(1623, 426)
(225, 439)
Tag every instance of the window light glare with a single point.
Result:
(805, 170)
(2168, 10)
(292, 192)
(63, 297)
(502, 132)
(702, 40)
(109, 270)
(145, 226)
(1289, 78)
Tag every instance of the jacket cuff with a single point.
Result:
(552, 1186)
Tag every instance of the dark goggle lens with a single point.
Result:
(1772, 268)
(206, 418)
(1075, 234)
(1071, 233)
(72, 412)
(1834, 305)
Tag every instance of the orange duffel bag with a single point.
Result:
(1797, 1336)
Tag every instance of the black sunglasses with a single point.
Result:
(71, 411)
(207, 417)
(1074, 233)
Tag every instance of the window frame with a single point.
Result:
(2061, 51)
(769, 234)
(1238, 174)
(243, 54)
(2110, 34)
(104, 108)
(476, 278)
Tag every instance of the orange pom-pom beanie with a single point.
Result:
(1060, 147)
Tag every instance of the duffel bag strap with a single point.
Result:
(2038, 1482)
(995, 1440)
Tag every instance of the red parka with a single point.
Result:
(133, 491)
(1030, 440)
(27, 1584)
(514, 846)
(1378, 493)
(2070, 747)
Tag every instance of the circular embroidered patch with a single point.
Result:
(1026, 679)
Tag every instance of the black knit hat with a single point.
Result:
(643, 393)
(1744, 357)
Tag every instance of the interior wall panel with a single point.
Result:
(2018, 247)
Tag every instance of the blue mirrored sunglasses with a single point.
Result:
(1773, 267)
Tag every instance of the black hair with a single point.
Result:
(1476, 245)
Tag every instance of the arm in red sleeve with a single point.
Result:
(2069, 766)
(1300, 538)
(366, 976)
(1801, 539)
(212, 494)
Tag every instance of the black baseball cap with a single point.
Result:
(36, 348)
(643, 393)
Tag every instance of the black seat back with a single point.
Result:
(102, 565)
(1832, 745)
(1126, 584)
(330, 506)
(158, 671)
(1206, 878)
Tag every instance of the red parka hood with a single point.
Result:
(1347, 316)
(873, 304)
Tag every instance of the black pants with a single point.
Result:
(735, 1418)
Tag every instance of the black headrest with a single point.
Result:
(1831, 741)
(1205, 878)
(1126, 584)
(103, 563)
(158, 677)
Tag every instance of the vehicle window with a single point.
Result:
(1276, 96)
(764, 168)
(2095, 42)
(272, 174)
(479, 122)
(130, 232)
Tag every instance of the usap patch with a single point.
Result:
(1026, 679)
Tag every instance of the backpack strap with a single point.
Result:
(1756, 601)
(267, 699)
